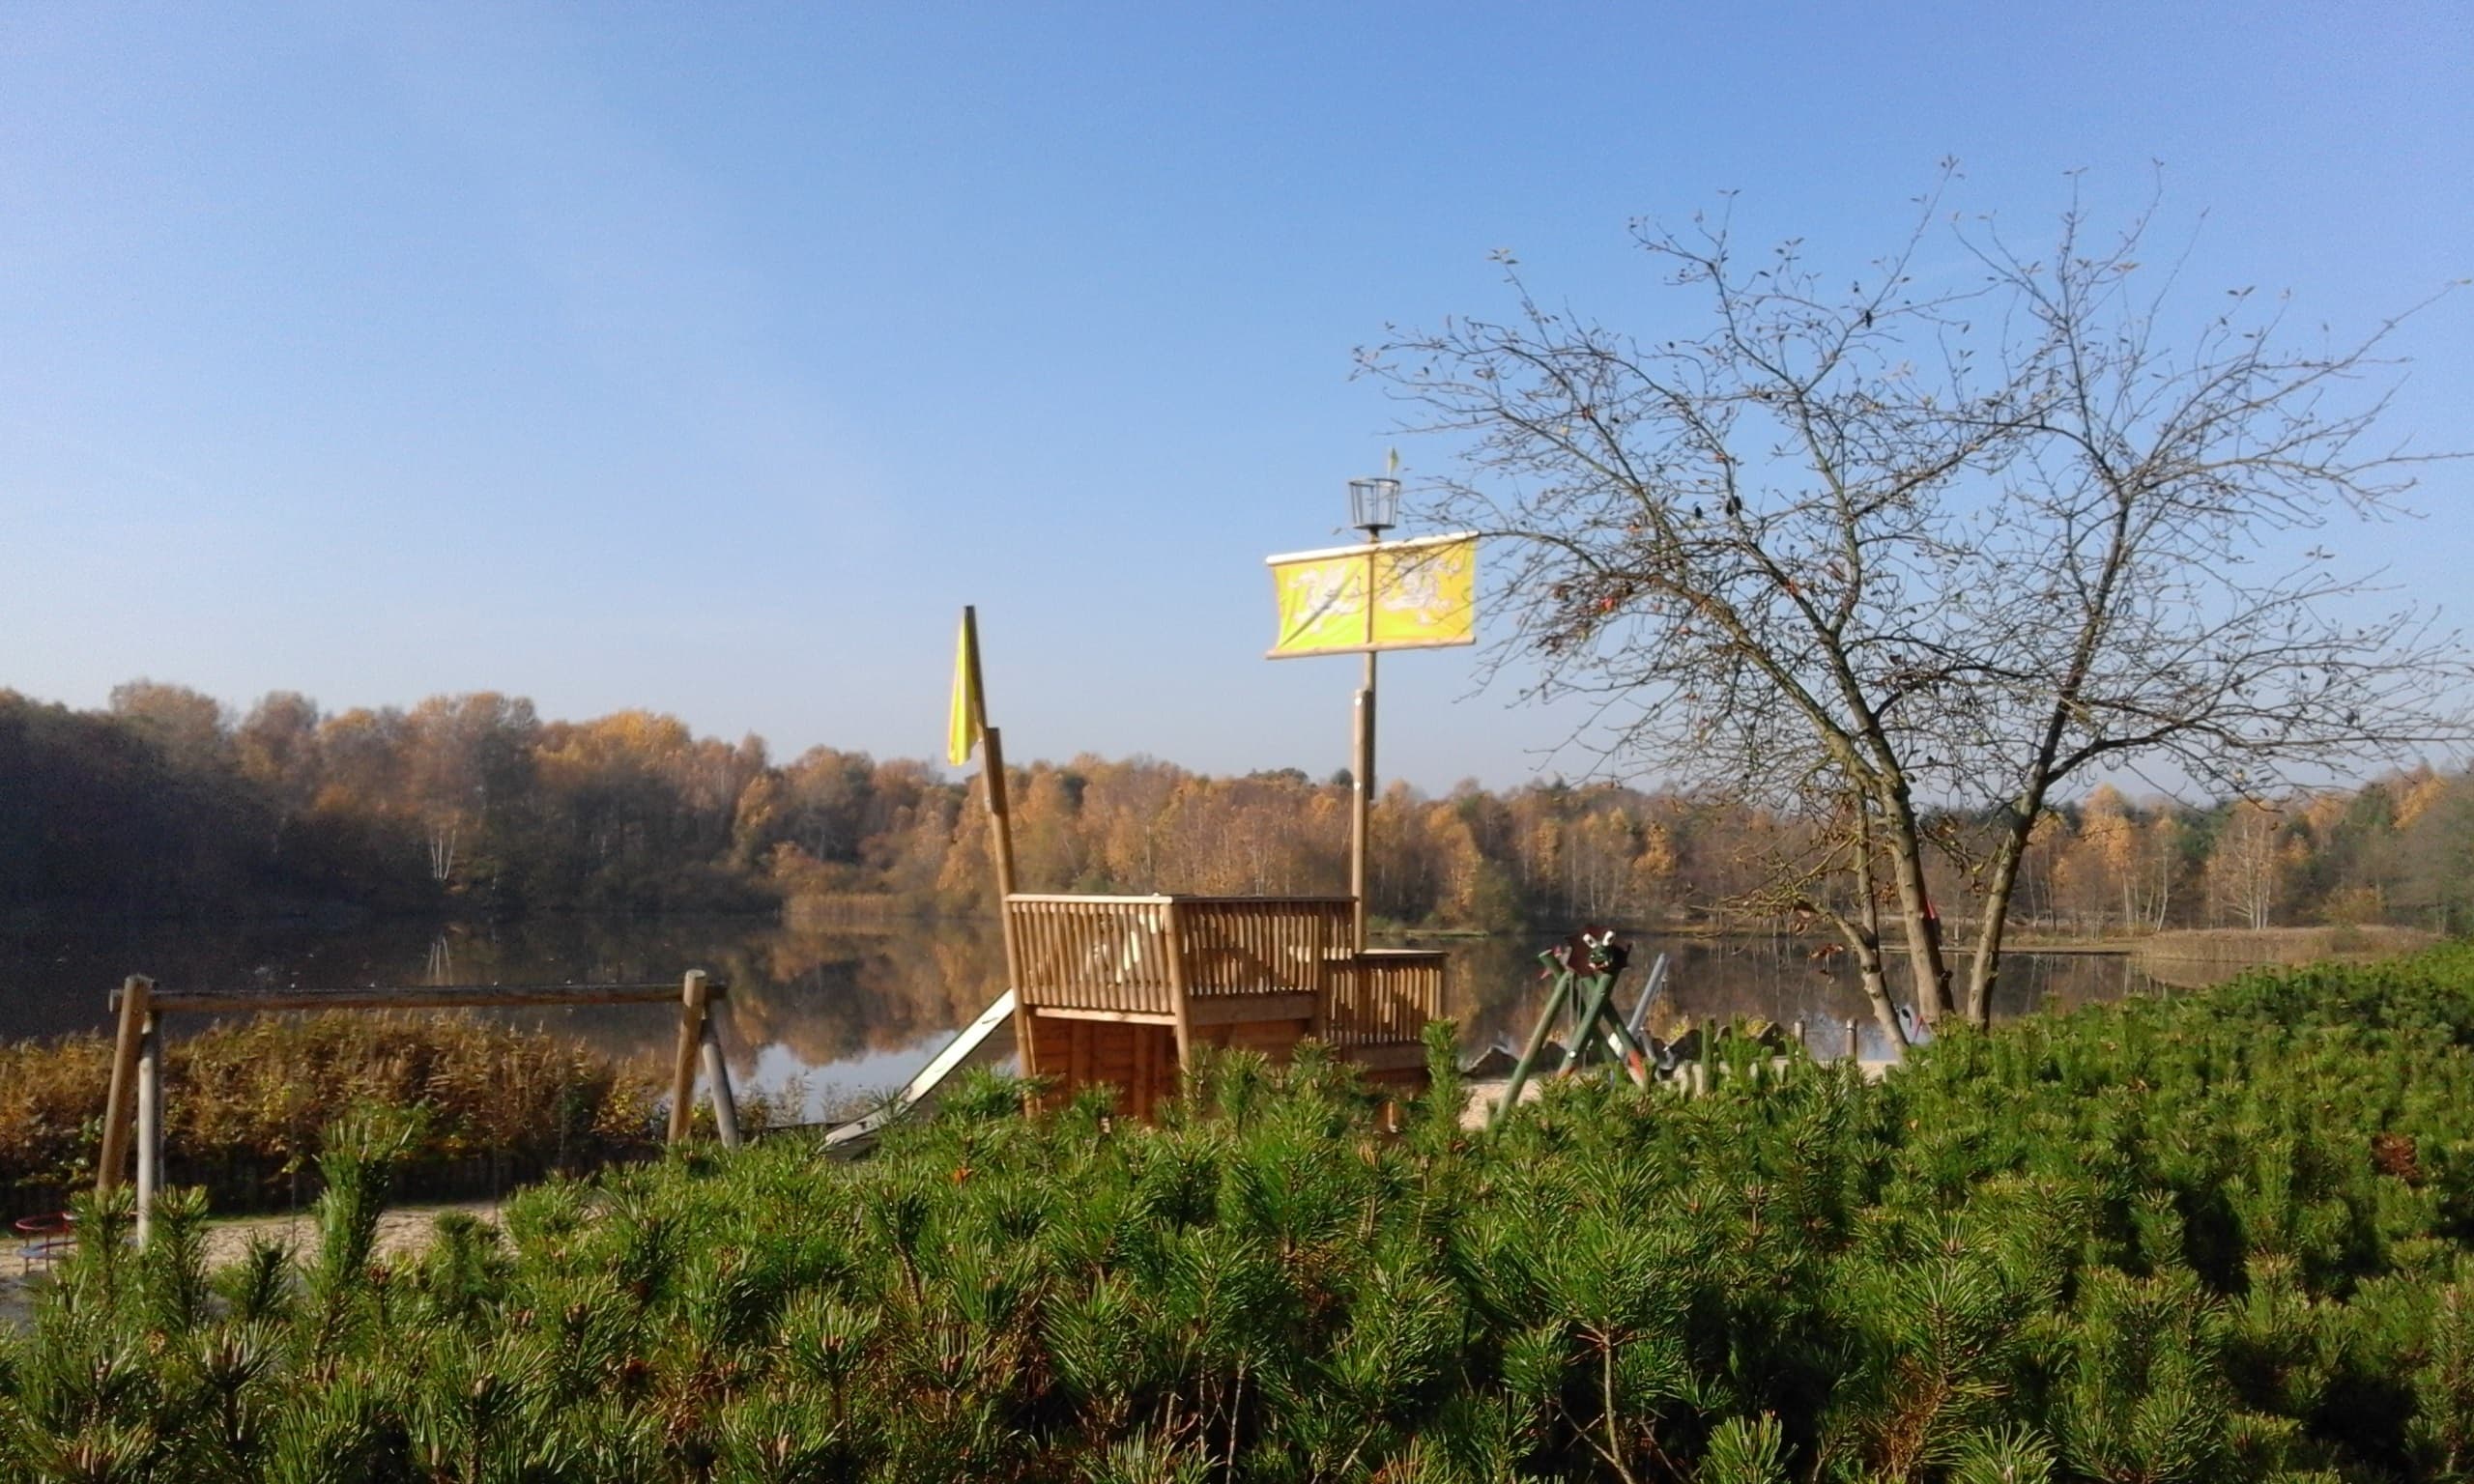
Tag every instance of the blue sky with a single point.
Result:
(708, 359)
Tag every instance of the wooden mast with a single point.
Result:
(1000, 823)
(1361, 805)
(1362, 763)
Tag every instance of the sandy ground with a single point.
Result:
(401, 1232)
(1486, 1096)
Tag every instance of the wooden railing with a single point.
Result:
(1383, 995)
(1136, 956)
(1093, 953)
(1258, 945)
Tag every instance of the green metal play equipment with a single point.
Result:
(1584, 968)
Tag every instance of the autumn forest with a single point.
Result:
(167, 803)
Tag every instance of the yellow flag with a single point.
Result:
(1398, 595)
(962, 732)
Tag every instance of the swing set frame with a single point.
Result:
(133, 1110)
(1585, 968)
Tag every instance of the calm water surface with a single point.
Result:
(843, 1012)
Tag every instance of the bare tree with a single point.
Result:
(2147, 612)
(1950, 543)
(2244, 868)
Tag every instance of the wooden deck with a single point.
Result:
(1124, 990)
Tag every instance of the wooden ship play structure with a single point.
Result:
(1125, 990)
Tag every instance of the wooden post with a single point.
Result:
(999, 814)
(149, 1123)
(1319, 972)
(717, 1086)
(691, 1036)
(1000, 829)
(1361, 766)
(112, 1167)
(1177, 1002)
(1362, 806)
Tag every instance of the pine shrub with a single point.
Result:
(2222, 1238)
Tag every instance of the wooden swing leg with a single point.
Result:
(691, 1036)
(717, 1086)
(1625, 1044)
(150, 1125)
(119, 1106)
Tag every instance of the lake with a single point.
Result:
(845, 1011)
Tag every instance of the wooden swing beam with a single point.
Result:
(135, 1101)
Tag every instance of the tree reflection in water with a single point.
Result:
(855, 1009)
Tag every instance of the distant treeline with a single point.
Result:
(167, 804)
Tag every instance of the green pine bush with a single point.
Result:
(2228, 1237)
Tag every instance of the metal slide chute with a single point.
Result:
(942, 1066)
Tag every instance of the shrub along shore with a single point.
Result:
(246, 1100)
(2223, 1236)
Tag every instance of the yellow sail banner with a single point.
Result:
(1424, 594)
(968, 718)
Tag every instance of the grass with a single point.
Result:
(2289, 946)
(2221, 1237)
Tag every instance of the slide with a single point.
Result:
(1639, 1020)
(939, 1067)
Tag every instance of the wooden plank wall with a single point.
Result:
(1273, 1039)
(1139, 1061)
(1195, 958)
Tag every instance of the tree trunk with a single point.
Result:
(1996, 914)
(1877, 993)
(1925, 962)
(1864, 940)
